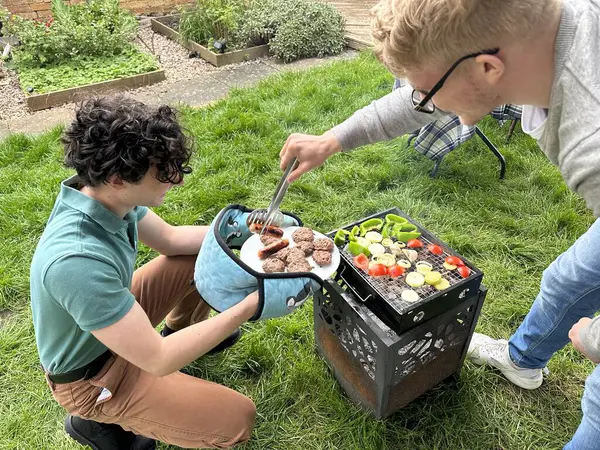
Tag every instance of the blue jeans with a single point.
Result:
(570, 290)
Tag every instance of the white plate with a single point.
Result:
(249, 254)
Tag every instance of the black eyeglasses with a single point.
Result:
(425, 104)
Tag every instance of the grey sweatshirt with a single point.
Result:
(571, 137)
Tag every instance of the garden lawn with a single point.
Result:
(510, 229)
(81, 72)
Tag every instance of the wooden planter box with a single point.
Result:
(56, 98)
(216, 59)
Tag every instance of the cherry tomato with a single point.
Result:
(378, 270)
(454, 261)
(414, 243)
(435, 249)
(396, 271)
(464, 271)
(362, 262)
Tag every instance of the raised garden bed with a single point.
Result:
(166, 25)
(56, 98)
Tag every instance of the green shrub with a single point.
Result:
(88, 29)
(211, 20)
(294, 28)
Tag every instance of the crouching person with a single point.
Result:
(94, 315)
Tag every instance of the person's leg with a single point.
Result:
(570, 290)
(176, 409)
(164, 288)
(587, 435)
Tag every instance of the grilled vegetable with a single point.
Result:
(386, 242)
(387, 259)
(435, 249)
(394, 219)
(405, 236)
(376, 249)
(408, 227)
(396, 248)
(369, 225)
(423, 267)
(449, 266)
(362, 262)
(411, 255)
(433, 277)
(404, 263)
(408, 295)
(354, 233)
(464, 271)
(356, 249)
(377, 270)
(374, 236)
(414, 243)
(340, 238)
(454, 260)
(363, 241)
(442, 284)
(395, 271)
(415, 279)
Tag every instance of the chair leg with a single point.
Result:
(511, 130)
(494, 150)
(436, 167)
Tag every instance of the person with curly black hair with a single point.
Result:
(95, 316)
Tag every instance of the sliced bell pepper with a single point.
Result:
(394, 219)
(405, 236)
(408, 227)
(362, 262)
(356, 249)
(340, 238)
(354, 232)
(369, 225)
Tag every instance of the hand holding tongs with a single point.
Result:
(272, 216)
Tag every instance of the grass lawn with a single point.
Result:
(510, 229)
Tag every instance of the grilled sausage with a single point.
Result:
(273, 248)
(269, 230)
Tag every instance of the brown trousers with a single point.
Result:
(176, 409)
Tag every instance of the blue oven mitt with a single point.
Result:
(223, 280)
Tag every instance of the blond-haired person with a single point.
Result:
(466, 57)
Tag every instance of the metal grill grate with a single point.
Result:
(390, 289)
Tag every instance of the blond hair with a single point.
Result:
(412, 34)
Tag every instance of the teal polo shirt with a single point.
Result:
(80, 277)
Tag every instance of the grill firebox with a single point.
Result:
(386, 352)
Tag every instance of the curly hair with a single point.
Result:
(118, 136)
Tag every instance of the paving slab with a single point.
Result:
(41, 121)
(195, 92)
(246, 75)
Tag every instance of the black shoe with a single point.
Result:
(226, 343)
(105, 436)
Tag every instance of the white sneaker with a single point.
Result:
(494, 352)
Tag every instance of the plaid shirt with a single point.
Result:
(438, 138)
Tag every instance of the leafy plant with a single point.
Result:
(212, 20)
(294, 28)
(86, 70)
(88, 29)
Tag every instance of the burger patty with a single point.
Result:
(299, 265)
(282, 254)
(295, 254)
(303, 234)
(267, 240)
(306, 246)
(273, 264)
(323, 244)
(321, 257)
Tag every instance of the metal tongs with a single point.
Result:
(272, 216)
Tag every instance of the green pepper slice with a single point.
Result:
(340, 237)
(386, 230)
(408, 227)
(394, 218)
(405, 236)
(369, 225)
(355, 231)
(357, 249)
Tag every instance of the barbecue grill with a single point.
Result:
(383, 350)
